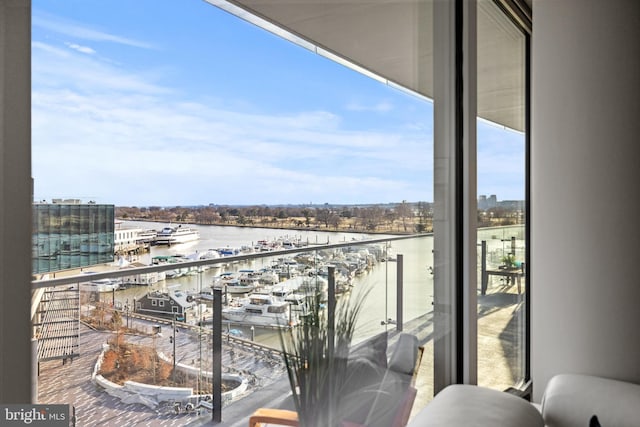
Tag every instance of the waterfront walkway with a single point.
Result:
(70, 382)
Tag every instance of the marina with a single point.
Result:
(358, 268)
(289, 278)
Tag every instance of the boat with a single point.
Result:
(231, 283)
(268, 276)
(261, 310)
(299, 305)
(233, 286)
(227, 251)
(174, 235)
(101, 285)
(197, 256)
(169, 260)
(288, 286)
(249, 278)
(146, 236)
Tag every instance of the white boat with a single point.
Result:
(249, 278)
(268, 277)
(197, 256)
(261, 310)
(174, 235)
(101, 285)
(230, 283)
(170, 259)
(288, 286)
(146, 236)
(233, 286)
(299, 305)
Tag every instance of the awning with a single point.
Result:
(393, 41)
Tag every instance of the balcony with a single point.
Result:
(397, 271)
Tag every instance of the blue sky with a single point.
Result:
(179, 103)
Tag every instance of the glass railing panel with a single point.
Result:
(501, 201)
(116, 298)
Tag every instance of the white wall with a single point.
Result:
(585, 189)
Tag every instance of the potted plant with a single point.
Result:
(509, 261)
(316, 356)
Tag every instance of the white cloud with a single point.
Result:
(52, 50)
(72, 29)
(82, 49)
(126, 148)
(53, 66)
(120, 137)
(379, 107)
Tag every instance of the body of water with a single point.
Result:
(381, 279)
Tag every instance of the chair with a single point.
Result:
(285, 417)
(402, 363)
(282, 417)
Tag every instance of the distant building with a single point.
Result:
(512, 205)
(482, 202)
(485, 202)
(130, 239)
(126, 238)
(69, 234)
(490, 202)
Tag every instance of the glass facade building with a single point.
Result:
(71, 235)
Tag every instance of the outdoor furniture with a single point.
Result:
(283, 417)
(378, 395)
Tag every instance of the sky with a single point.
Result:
(175, 102)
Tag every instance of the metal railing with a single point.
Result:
(216, 329)
(114, 274)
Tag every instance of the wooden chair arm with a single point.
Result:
(416, 368)
(281, 417)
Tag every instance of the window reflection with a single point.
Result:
(71, 235)
(501, 189)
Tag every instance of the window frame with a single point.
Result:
(455, 100)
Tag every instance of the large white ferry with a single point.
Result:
(175, 235)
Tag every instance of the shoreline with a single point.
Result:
(282, 227)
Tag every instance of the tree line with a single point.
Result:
(403, 217)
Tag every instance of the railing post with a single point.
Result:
(399, 293)
(331, 320)
(216, 410)
(173, 340)
(483, 262)
(331, 307)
